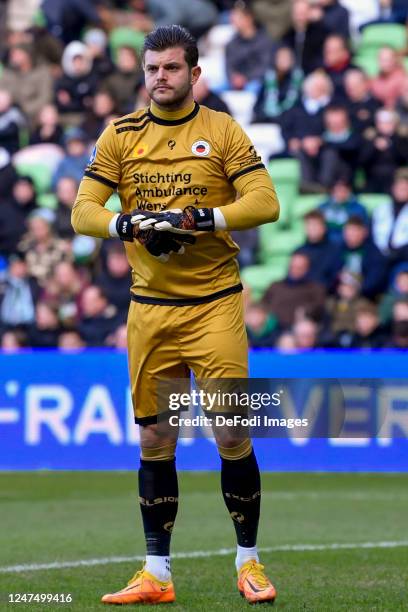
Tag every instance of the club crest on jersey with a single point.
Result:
(140, 149)
(201, 148)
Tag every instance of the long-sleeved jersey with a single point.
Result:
(160, 160)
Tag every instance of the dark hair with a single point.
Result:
(166, 37)
(315, 214)
(356, 220)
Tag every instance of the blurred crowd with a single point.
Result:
(68, 67)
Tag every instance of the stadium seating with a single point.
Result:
(125, 37)
(378, 35)
(273, 240)
(371, 201)
(267, 139)
(259, 278)
(113, 204)
(285, 174)
(40, 173)
(240, 104)
(306, 203)
(367, 61)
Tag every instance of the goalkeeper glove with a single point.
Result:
(189, 220)
(159, 246)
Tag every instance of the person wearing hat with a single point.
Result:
(384, 148)
(78, 83)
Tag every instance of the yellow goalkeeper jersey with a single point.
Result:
(161, 160)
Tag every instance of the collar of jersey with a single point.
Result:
(173, 117)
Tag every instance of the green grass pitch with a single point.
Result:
(62, 517)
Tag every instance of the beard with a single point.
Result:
(172, 99)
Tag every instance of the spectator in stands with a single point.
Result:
(14, 211)
(18, 295)
(296, 294)
(11, 123)
(41, 248)
(203, 95)
(302, 126)
(8, 174)
(336, 62)
(361, 256)
(198, 16)
(280, 89)
(369, 333)
(306, 37)
(125, 81)
(116, 279)
(398, 291)
(249, 53)
(99, 317)
(306, 334)
(324, 255)
(339, 207)
(399, 338)
(342, 308)
(261, 326)
(45, 330)
(70, 341)
(388, 85)
(63, 292)
(29, 85)
(78, 83)
(361, 104)
(384, 148)
(66, 18)
(13, 340)
(402, 104)
(97, 117)
(335, 17)
(390, 221)
(276, 16)
(286, 342)
(66, 190)
(118, 339)
(76, 158)
(96, 41)
(48, 128)
(248, 242)
(340, 150)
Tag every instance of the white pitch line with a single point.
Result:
(196, 554)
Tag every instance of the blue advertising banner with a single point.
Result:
(73, 412)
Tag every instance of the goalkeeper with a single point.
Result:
(178, 168)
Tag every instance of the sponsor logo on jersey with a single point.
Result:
(93, 155)
(140, 149)
(201, 148)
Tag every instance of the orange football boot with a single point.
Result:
(254, 585)
(143, 588)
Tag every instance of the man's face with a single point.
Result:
(168, 78)
(400, 190)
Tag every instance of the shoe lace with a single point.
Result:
(137, 575)
(257, 573)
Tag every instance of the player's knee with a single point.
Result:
(233, 448)
(155, 444)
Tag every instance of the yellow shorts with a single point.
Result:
(167, 342)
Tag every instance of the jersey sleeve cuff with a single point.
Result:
(219, 220)
(113, 232)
